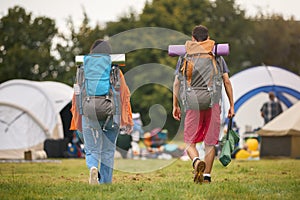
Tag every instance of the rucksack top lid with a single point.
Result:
(97, 56)
(193, 47)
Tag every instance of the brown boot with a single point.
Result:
(199, 168)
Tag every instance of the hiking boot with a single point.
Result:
(198, 171)
(93, 176)
(206, 179)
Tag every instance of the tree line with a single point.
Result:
(33, 48)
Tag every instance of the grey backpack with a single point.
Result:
(200, 81)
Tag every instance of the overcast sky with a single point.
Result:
(102, 11)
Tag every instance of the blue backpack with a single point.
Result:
(98, 81)
(97, 69)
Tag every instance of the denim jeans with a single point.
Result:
(100, 146)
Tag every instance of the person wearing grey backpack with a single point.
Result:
(199, 77)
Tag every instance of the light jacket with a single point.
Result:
(126, 114)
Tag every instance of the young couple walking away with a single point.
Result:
(197, 87)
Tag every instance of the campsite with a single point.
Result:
(46, 69)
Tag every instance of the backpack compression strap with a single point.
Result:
(188, 65)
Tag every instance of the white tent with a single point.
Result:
(29, 114)
(250, 91)
(281, 136)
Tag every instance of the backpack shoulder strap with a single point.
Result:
(187, 69)
(115, 76)
(214, 61)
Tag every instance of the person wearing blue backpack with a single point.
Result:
(100, 130)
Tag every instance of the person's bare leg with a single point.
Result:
(192, 151)
(198, 165)
(209, 158)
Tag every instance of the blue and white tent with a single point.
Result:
(250, 91)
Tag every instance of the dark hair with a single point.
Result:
(272, 95)
(200, 33)
(100, 46)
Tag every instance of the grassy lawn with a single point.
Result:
(164, 179)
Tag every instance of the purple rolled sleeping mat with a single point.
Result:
(179, 50)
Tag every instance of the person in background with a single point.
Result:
(136, 134)
(271, 108)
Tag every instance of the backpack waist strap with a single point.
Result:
(198, 88)
(97, 97)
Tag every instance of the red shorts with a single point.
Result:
(213, 133)
(202, 126)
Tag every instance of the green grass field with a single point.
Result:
(68, 179)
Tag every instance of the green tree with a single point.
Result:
(31, 48)
(78, 42)
(25, 46)
(123, 24)
(275, 42)
(226, 22)
(221, 17)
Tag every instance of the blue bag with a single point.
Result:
(97, 70)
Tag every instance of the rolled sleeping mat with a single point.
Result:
(115, 59)
(179, 50)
